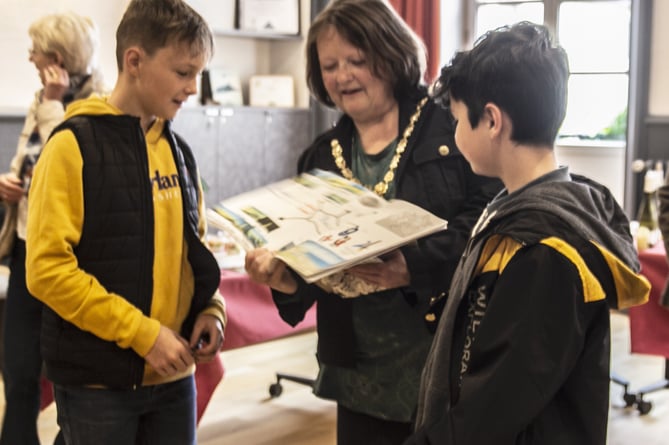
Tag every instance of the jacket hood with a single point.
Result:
(97, 105)
(94, 105)
(578, 207)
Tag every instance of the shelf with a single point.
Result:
(256, 35)
(213, 110)
(8, 112)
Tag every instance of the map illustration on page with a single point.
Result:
(319, 223)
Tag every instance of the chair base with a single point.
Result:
(275, 389)
(643, 406)
(629, 398)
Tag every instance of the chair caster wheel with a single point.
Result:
(644, 407)
(275, 390)
(630, 399)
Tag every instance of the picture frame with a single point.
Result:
(226, 86)
(271, 91)
(280, 17)
(220, 14)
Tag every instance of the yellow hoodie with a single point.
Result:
(55, 225)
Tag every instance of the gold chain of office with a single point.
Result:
(382, 186)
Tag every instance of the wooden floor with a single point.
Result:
(241, 411)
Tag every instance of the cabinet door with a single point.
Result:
(200, 128)
(10, 130)
(240, 151)
(287, 135)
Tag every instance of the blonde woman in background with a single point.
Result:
(64, 49)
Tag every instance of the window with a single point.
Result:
(596, 36)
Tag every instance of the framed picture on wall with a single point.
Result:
(271, 91)
(270, 16)
(220, 14)
(226, 88)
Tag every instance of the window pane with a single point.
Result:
(595, 35)
(596, 107)
(493, 16)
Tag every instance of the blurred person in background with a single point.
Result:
(64, 52)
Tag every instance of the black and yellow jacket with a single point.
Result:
(522, 349)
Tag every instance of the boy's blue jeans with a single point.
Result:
(161, 414)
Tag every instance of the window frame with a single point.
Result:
(551, 16)
(638, 119)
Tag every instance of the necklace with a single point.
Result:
(381, 187)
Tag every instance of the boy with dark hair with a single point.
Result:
(114, 245)
(521, 352)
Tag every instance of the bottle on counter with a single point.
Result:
(648, 233)
(206, 94)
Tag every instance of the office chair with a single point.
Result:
(644, 406)
(628, 397)
(275, 389)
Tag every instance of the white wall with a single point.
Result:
(19, 79)
(658, 99)
(452, 15)
(604, 164)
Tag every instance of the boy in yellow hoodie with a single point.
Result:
(114, 244)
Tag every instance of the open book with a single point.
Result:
(319, 223)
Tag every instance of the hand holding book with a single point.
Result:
(319, 223)
(263, 267)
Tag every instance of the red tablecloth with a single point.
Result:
(252, 318)
(649, 323)
(252, 315)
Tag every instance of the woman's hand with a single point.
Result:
(56, 82)
(264, 268)
(11, 188)
(391, 273)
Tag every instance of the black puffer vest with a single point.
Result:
(117, 246)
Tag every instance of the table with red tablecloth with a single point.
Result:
(252, 318)
(649, 323)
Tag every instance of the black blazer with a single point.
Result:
(433, 174)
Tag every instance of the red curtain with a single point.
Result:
(423, 17)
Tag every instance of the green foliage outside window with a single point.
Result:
(617, 130)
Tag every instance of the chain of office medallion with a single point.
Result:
(382, 186)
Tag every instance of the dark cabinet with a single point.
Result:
(239, 149)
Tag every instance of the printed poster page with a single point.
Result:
(319, 222)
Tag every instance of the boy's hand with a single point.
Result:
(207, 338)
(56, 82)
(170, 353)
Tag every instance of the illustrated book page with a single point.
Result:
(319, 223)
